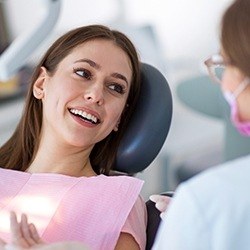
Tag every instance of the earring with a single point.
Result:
(38, 95)
(116, 127)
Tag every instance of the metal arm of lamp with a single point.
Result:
(15, 56)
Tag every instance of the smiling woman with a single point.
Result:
(79, 102)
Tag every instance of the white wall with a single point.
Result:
(186, 29)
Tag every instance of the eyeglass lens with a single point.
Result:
(218, 72)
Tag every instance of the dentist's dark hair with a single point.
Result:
(19, 151)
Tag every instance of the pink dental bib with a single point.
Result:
(92, 210)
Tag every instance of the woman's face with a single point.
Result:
(84, 99)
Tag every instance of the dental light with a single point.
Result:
(15, 56)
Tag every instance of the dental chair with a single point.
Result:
(146, 134)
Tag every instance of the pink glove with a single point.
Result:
(161, 202)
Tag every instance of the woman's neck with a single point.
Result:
(62, 160)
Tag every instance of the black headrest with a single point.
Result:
(149, 126)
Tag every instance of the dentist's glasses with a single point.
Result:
(216, 67)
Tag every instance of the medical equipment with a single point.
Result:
(15, 56)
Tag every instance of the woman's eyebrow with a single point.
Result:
(90, 62)
(119, 76)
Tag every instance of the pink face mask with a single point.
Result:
(242, 127)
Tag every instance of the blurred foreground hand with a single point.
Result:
(161, 202)
(24, 235)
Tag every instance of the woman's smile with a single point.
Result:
(85, 117)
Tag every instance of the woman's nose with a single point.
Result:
(94, 94)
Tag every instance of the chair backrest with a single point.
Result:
(146, 134)
(149, 125)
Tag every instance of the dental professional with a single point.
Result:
(212, 210)
(55, 168)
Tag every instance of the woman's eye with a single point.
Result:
(117, 87)
(83, 73)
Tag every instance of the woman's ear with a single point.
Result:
(38, 87)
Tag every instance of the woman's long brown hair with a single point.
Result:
(19, 151)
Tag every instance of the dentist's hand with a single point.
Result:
(161, 202)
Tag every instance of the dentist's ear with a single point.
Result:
(38, 87)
